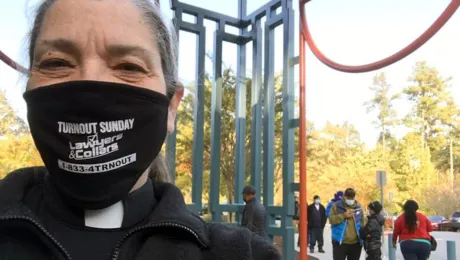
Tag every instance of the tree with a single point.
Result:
(383, 103)
(433, 106)
(17, 149)
(17, 152)
(10, 122)
(228, 136)
(413, 169)
(442, 200)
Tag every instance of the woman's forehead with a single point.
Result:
(90, 21)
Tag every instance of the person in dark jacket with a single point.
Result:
(316, 223)
(296, 208)
(102, 93)
(372, 232)
(337, 197)
(254, 215)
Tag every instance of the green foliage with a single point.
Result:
(17, 149)
(383, 103)
(433, 110)
(10, 123)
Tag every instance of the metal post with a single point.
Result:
(451, 160)
(381, 195)
(391, 249)
(302, 150)
(381, 201)
(216, 107)
(451, 251)
(240, 120)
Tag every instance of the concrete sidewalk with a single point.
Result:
(439, 254)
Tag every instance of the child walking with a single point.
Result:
(371, 234)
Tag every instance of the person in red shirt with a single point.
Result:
(412, 228)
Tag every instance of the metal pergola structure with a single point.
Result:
(262, 111)
(262, 36)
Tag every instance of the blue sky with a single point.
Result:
(351, 32)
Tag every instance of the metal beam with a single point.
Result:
(269, 120)
(198, 115)
(256, 106)
(216, 106)
(207, 14)
(240, 120)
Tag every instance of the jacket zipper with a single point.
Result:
(116, 252)
(43, 230)
(356, 227)
(343, 232)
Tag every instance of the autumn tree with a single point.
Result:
(17, 149)
(413, 169)
(10, 123)
(382, 103)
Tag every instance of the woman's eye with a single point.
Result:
(54, 64)
(130, 67)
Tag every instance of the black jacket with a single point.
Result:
(322, 212)
(296, 210)
(172, 233)
(254, 217)
(372, 232)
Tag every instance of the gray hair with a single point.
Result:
(165, 38)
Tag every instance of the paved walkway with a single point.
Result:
(439, 254)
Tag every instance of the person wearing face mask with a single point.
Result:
(346, 219)
(316, 223)
(102, 94)
(254, 215)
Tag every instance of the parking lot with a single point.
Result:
(439, 254)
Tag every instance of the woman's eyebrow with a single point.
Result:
(120, 50)
(63, 45)
(116, 50)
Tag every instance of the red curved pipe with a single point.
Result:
(12, 63)
(304, 35)
(417, 43)
(303, 238)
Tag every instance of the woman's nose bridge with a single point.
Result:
(94, 69)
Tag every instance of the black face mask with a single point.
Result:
(96, 138)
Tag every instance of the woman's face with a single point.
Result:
(98, 40)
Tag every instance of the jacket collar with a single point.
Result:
(170, 208)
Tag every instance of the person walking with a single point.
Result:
(337, 196)
(254, 215)
(296, 208)
(316, 223)
(372, 232)
(413, 230)
(346, 219)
